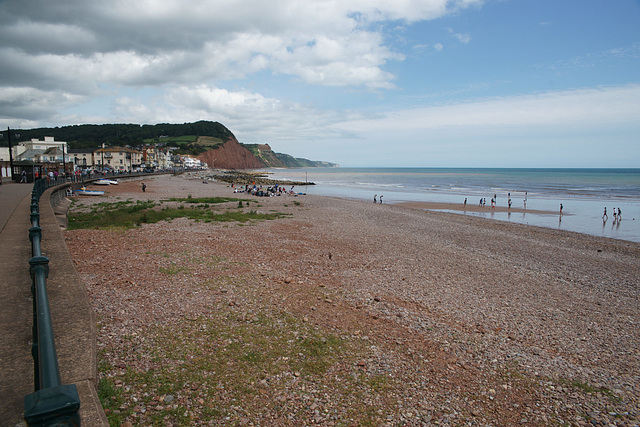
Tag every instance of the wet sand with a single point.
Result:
(432, 206)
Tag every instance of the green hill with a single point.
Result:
(87, 136)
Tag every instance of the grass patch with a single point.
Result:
(111, 398)
(379, 383)
(588, 388)
(173, 269)
(231, 358)
(104, 215)
(128, 215)
(209, 200)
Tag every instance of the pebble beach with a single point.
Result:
(417, 317)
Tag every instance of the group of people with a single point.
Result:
(375, 198)
(617, 215)
(483, 201)
(50, 176)
(494, 201)
(275, 190)
(54, 175)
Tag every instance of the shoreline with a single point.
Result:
(435, 206)
(455, 319)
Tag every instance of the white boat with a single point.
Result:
(89, 193)
(105, 181)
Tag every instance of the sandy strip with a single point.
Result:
(470, 208)
(467, 321)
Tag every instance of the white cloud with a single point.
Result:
(462, 38)
(29, 107)
(251, 116)
(163, 42)
(37, 103)
(46, 37)
(80, 47)
(584, 107)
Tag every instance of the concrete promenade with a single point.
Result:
(73, 322)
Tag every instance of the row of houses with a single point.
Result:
(52, 155)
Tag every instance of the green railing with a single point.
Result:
(52, 403)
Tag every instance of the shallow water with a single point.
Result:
(584, 193)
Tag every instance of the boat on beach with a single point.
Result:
(89, 193)
(105, 181)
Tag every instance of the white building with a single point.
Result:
(38, 151)
(189, 162)
(4, 154)
(36, 144)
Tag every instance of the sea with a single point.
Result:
(584, 193)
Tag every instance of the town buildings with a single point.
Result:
(38, 157)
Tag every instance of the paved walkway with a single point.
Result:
(73, 323)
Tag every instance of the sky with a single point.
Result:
(408, 83)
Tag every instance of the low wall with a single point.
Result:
(59, 193)
(73, 320)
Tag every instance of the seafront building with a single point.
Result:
(156, 157)
(117, 158)
(38, 157)
(82, 158)
(47, 151)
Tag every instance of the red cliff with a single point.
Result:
(231, 155)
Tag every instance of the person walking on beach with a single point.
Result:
(509, 202)
(560, 208)
(619, 214)
(381, 199)
(144, 187)
(604, 215)
(375, 200)
(465, 202)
